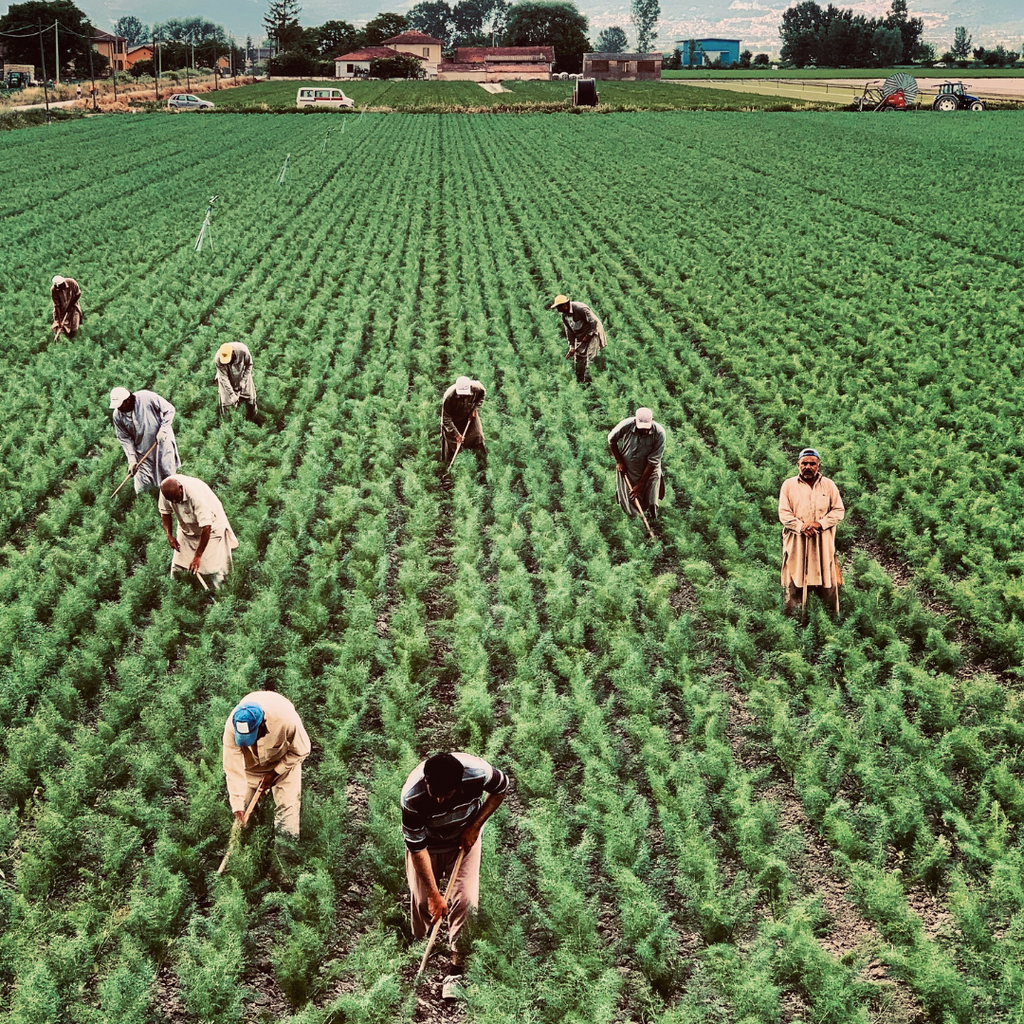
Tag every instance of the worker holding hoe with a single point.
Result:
(584, 333)
(445, 802)
(142, 423)
(637, 444)
(233, 365)
(67, 310)
(809, 509)
(264, 745)
(204, 539)
(460, 423)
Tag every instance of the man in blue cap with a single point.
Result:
(264, 735)
(809, 509)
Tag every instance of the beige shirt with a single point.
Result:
(801, 503)
(200, 507)
(285, 745)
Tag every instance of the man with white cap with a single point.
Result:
(142, 422)
(264, 735)
(583, 331)
(233, 365)
(204, 539)
(67, 311)
(460, 424)
(637, 445)
(809, 509)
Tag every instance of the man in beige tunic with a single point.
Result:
(264, 735)
(809, 509)
(204, 540)
(233, 365)
(65, 294)
(584, 333)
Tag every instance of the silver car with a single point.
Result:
(186, 101)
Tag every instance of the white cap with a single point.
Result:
(463, 386)
(57, 280)
(117, 396)
(644, 419)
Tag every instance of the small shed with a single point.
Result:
(622, 67)
(497, 64)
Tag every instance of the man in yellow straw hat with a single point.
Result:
(233, 364)
(584, 333)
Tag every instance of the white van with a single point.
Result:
(309, 97)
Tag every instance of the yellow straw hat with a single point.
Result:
(560, 300)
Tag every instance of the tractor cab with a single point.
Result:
(953, 88)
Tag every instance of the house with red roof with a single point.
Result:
(412, 44)
(497, 63)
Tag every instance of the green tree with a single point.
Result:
(435, 18)
(73, 33)
(132, 29)
(384, 26)
(612, 40)
(910, 30)
(887, 45)
(553, 23)
(282, 22)
(478, 22)
(672, 61)
(292, 64)
(338, 37)
(402, 65)
(745, 58)
(961, 48)
(644, 15)
(762, 60)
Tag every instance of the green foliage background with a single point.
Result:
(718, 812)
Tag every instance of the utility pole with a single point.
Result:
(42, 59)
(56, 52)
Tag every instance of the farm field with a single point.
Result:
(718, 813)
(446, 97)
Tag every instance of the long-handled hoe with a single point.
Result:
(636, 501)
(458, 447)
(238, 826)
(132, 472)
(62, 326)
(803, 604)
(437, 926)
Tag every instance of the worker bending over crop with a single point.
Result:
(809, 509)
(460, 423)
(142, 423)
(204, 540)
(584, 333)
(67, 310)
(637, 444)
(233, 364)
(445, 802)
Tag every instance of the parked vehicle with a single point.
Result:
(953, 97)
(329, 98)
(18, 80)
(186, 101)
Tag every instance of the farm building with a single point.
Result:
(137, 53)
(622, 67)
(702, 52)
(497, 63)
(357, 63)
(419, 44)
(113, 48)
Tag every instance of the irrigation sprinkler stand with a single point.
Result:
(206, 232)
(323, 147)
(284, 169)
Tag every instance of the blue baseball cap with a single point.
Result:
(247, 719)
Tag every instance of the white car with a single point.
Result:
(309, 97)
(186, 101)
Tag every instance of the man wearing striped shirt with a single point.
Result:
(445, 802)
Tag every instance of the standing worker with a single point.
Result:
(265, 736)
(584, 333)
(637, 444)
(141, 420)
(445, 802)
(204, 540)
(460, 424)
(67, 310)
(233, 364)
(809, 509)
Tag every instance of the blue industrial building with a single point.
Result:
(702, 52)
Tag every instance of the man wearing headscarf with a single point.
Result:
(67, 310)
(637, 444)
(264, 735)
(141, 420)
(204, 539)
(460, 423)
(809, 509)
(233, 365)
(583, 331)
